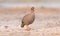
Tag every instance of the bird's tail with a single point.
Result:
(22, 25)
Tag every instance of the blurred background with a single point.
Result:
(47, 13)
(29, 0)
(14, 3)
(47, 17)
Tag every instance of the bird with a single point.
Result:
(28, 19)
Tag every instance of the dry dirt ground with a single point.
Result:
(47, 21)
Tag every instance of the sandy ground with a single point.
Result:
(47, 21)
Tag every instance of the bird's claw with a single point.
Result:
(28, 28)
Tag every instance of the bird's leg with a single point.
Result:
(27, 27)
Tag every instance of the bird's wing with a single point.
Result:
(28, 19)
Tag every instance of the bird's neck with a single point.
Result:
(32, 11)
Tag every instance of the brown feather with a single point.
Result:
(28, 19)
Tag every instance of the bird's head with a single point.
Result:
(32, 9)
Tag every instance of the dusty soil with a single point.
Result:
(47, 21)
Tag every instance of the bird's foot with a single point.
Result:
(28, 28)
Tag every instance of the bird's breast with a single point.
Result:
(28, 19)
